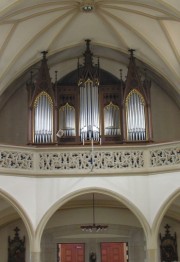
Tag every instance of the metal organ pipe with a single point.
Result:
(43, 119)
(135, 117)
(89, 112)
(112, 120)
(67, 120)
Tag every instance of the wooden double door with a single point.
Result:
(110, 252)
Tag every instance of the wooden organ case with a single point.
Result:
(89, 104)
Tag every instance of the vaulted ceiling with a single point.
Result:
(151, 27)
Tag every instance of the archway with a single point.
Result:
(167, 228)
(15, 230)
(64, 225)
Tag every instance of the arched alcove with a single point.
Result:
(15, 230)
(168, 229)
(64, 226)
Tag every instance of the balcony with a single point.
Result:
(88, 161)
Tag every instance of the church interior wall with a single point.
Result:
(14, 116)
(61, 148)
(165, 116)
(64, 225)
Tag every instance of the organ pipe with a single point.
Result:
(89, 111)
(136, 128)
(112, 120)
(67, 120)
(43, 119)
(88, 81)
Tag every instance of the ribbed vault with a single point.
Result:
(149, 26)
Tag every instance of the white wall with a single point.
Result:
(165, 116)
(14, 119)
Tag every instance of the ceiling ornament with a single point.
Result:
(87, 6)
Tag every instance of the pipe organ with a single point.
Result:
(92, 109)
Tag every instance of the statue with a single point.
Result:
(92, 256)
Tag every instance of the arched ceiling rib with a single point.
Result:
(152, 27)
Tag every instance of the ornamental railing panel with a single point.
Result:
(165, 156)
(16, 160)
(99, 159)
(87, 160)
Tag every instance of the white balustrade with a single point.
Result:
(83, 160)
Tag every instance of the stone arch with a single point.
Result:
(162, 211)
(68, 197)
(19, 209)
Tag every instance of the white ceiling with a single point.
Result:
(151, 27)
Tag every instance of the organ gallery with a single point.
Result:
(89, 104)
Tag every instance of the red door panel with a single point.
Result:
(113, 252)
(71, 253)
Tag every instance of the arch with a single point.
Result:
(135, 91)
(162, 211)
(15, 204)
(42, 93)
(64, 199)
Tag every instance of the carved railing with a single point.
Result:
(165, 157)
(83, 160)
(16, 159)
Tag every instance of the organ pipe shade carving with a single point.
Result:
(43, 118)
(89, 111)
(135, 116)
(67, 120)
(111, 120)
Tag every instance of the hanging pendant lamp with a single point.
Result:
(93, 227)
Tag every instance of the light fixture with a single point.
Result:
(93, 227)
(87, 6)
